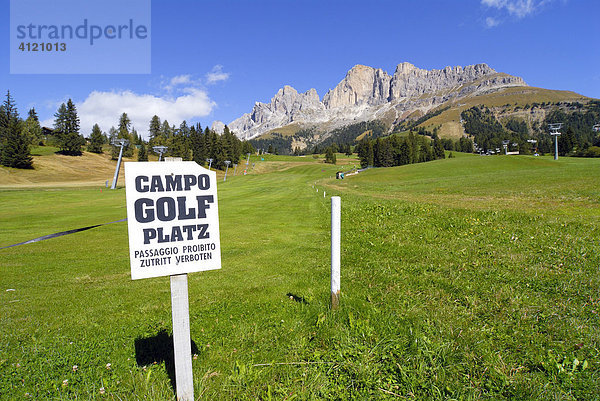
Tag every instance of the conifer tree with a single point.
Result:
(66, 129)
(330, 156)
(438, 149)
(178, 143)
(413, 148)
(96, 140)
(165, 130)
(566, 142)
(154, 131)
(123, 133)
(403, 156)
(32, 129)
(247, 148)
(198, 145)
(134, 137)
(370, 156)
(143, 153)
(15, 151)
(60, 121)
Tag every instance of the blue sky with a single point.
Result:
(211, 60)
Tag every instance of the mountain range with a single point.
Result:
(371, 94)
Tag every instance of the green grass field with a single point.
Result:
(472, 278)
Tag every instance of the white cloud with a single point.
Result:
(216, 75)
(179, 98)
(491, 22)
(517, 8)
(181, 79)
(105, 108)
(180, 83)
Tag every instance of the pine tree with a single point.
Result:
(413, 148)
(72, 119)
(218, 152)
(123, 133)
(330, 156)
(198, 145)
(134, 137)
(403, 155)
(566, 142)
(438, 149)
(60, 122)
(154, 131)
(143, 153)
(66, 129)
(96, 140)
(32, 129)
(365, 152)
(165, 131)
(247, 148)
(15, 150)
(383, 155)
(227, 144)
(370, 156)
(178, 143)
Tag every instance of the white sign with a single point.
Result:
(172, 218)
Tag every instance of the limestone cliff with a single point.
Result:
(366, 93)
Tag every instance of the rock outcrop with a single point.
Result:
(366, 92)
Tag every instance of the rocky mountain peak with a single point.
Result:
(404, 69)
(365, 91)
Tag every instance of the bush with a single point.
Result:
(592, 151)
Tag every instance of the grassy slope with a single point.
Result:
(287, 130)
(53, 169)
(466, 278)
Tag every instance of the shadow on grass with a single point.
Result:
(159, 348)
(297, 298)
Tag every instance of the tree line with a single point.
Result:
(188, 142)
(395, 150)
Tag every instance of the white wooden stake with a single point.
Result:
(181, 338)
(335, 251)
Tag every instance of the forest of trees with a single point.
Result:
(577, 133)
(488, 133)
(397, 151)
(193, 143)
(347, 135)
(340, 137)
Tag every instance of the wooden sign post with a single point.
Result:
(182, 343)
(173, 225)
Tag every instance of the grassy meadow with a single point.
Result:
(472, 278)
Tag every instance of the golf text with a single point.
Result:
(168, 209)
